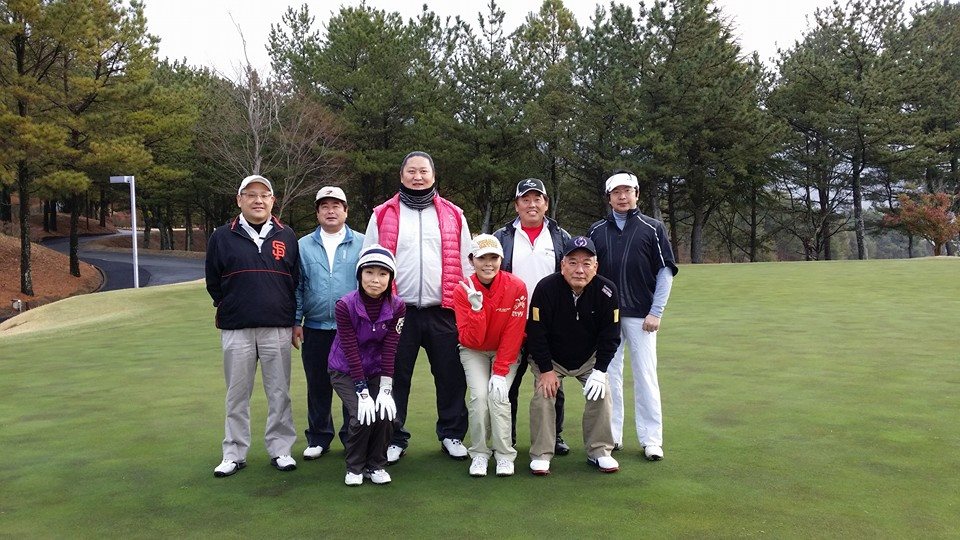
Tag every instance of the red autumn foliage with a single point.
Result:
(929, 218)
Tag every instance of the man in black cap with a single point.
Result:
(573, 331)
(531, 255)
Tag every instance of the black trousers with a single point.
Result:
(365, 446)
(315, 352)
(515, 396)
(434, 329)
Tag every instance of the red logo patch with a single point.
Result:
(279, 249)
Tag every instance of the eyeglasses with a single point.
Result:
(254, 196)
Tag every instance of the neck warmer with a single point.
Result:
(418, 199)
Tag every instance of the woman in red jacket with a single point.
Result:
(491, 309)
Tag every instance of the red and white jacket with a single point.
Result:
(500, 325)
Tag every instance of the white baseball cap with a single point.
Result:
(622, 179)
(483, 244)
(331, 192)
(253, 178)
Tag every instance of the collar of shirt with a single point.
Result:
(254, 235)
(339, 235)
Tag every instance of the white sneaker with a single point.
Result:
(228, 467)
(454, 448)
(394, 453)
(478, 467)
(606, 464)
(378, 476)
(504, 467)
(313, 452)
(353, 479)
(284, 463)
(653, 453)
(540, 467)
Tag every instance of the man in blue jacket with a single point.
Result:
(635, 254)
(328, 270)
(252, 271)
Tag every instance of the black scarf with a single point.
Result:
(418, 199)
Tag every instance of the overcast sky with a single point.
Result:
(202, 30)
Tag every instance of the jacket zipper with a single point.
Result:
(420, 292)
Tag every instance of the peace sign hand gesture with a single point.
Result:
(474, 296)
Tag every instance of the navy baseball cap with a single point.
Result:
(579, 242)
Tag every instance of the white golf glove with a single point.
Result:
(596, 387)
(498, 388)
(366, 409)
(385, 404)
(474, 296)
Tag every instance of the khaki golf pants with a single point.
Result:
(488, 418)
(597, 436)
(241, 351)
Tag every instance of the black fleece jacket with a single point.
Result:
(569, 334)
(251, 287)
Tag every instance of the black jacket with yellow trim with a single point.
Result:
(568, 333)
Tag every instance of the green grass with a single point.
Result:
(800, 399)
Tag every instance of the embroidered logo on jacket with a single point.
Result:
(279, 249)
(520, 307)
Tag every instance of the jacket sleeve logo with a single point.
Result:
(520, 307)
(279, 249)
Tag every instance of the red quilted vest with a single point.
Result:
(450, 217)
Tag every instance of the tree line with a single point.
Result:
(811, 157)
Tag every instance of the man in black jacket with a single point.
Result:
(573, 331)
(532, 249)
(635, 254)
(252, 273)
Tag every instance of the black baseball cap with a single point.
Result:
(529, 184)
(579, 242)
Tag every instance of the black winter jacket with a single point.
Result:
(631, 258)
(569, 334)
(250, 287)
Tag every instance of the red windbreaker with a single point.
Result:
(500, 325)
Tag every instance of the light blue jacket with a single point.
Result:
(320, 287)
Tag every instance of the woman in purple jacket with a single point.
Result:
(369, 321)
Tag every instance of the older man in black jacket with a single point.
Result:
(573, 331)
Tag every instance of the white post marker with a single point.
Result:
(133, 222)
